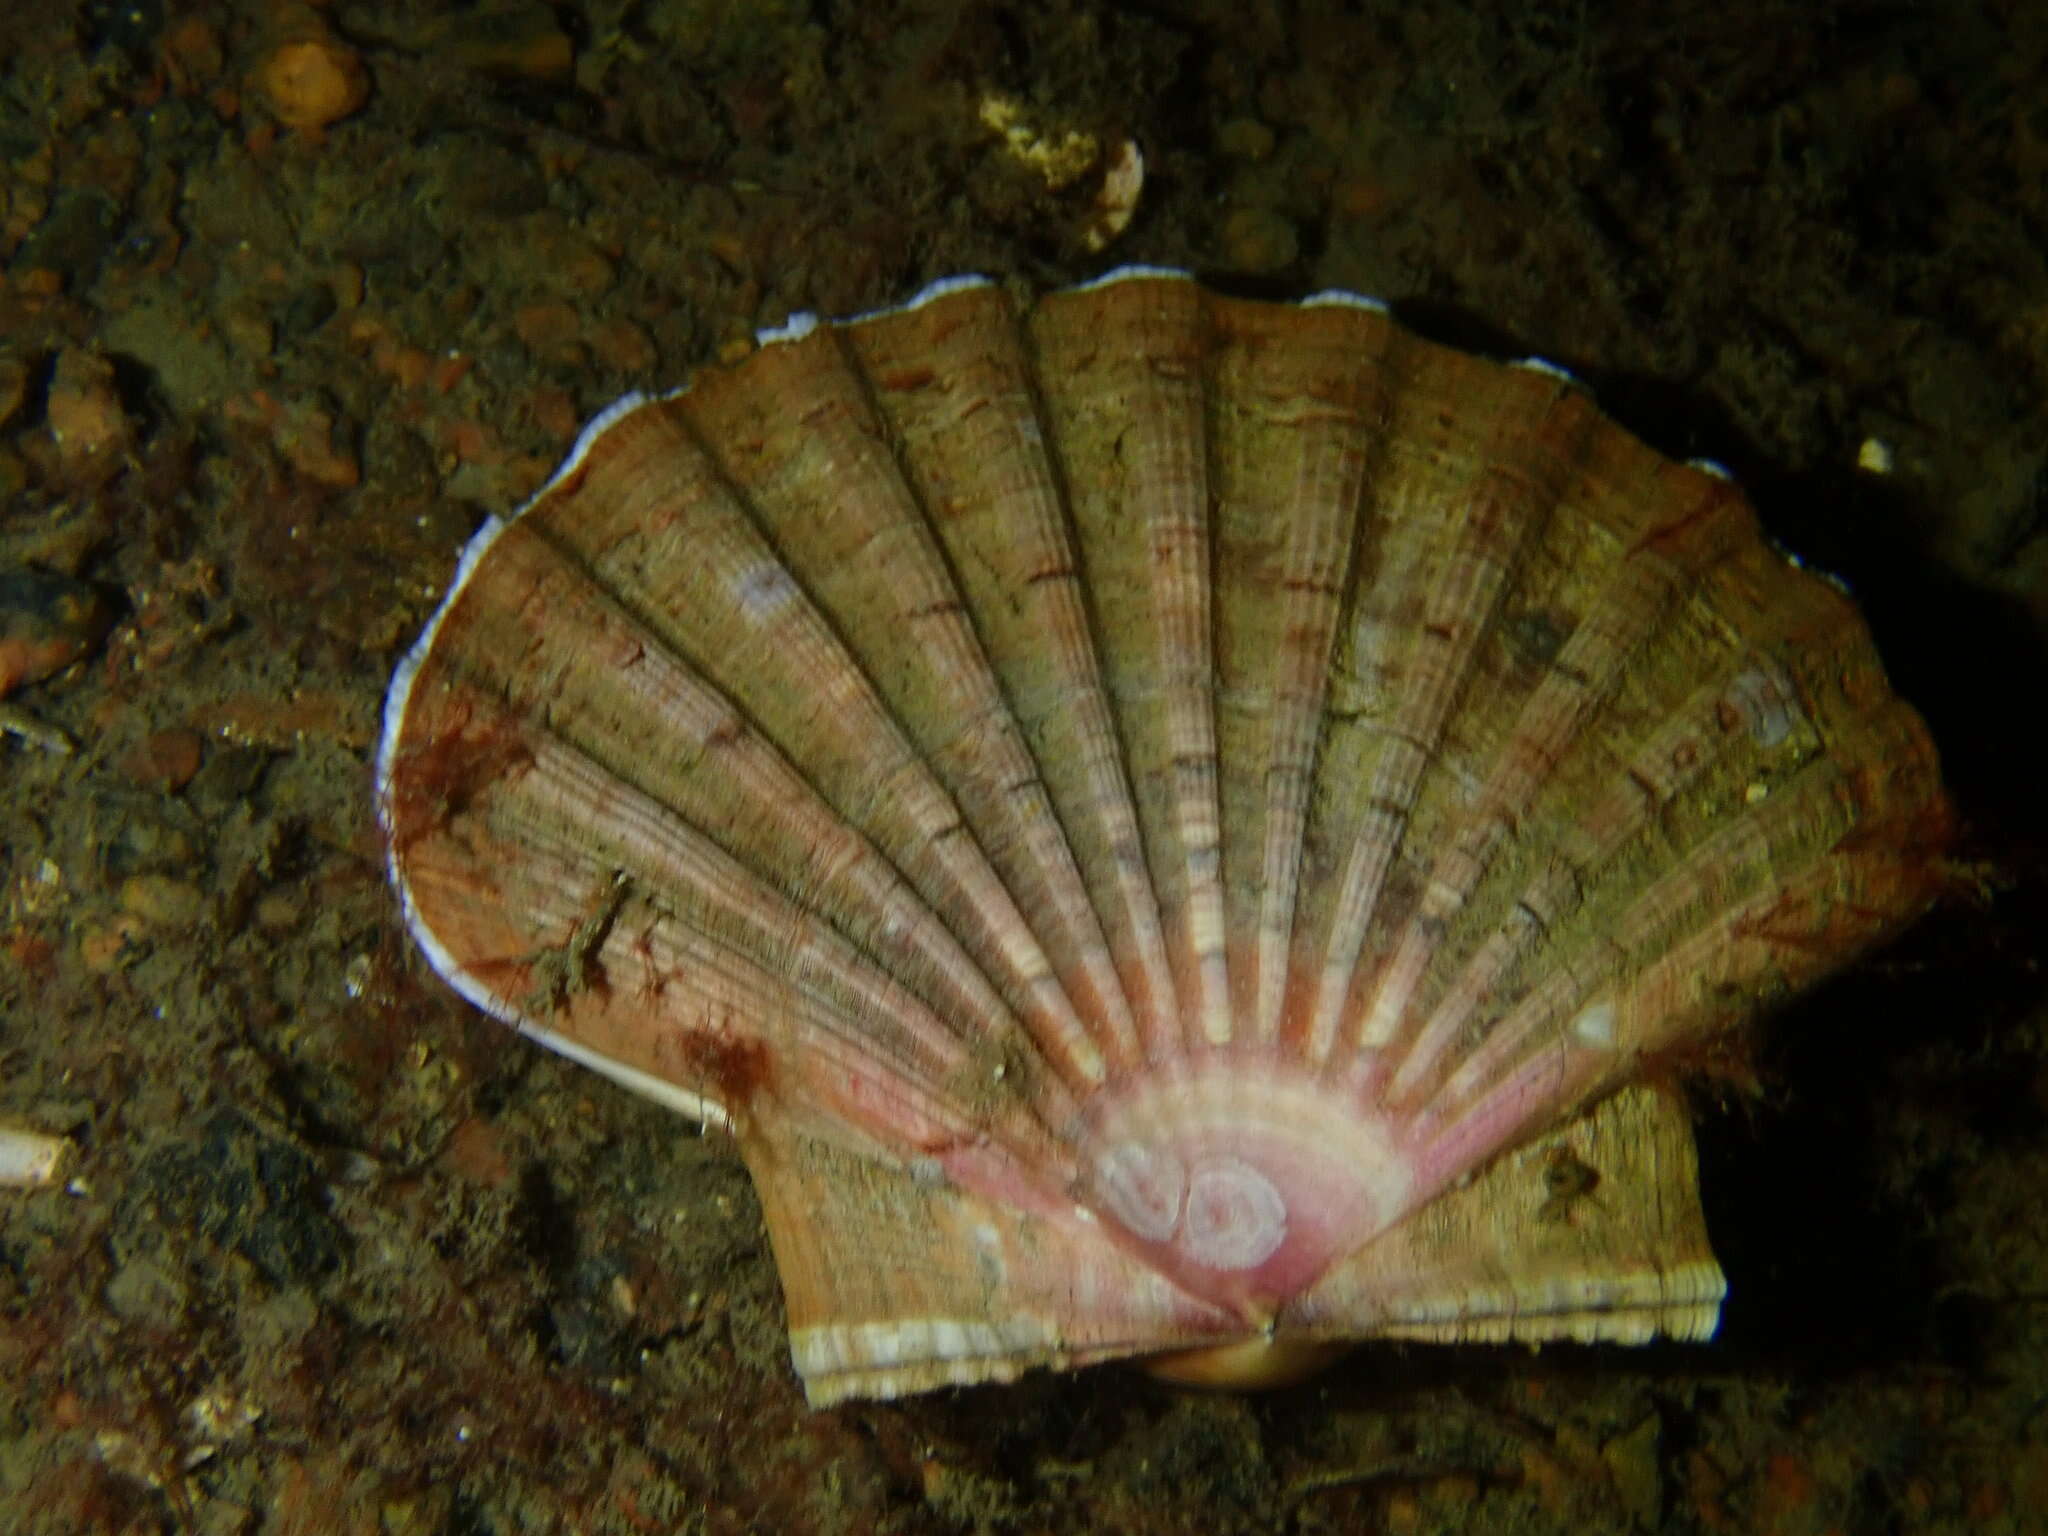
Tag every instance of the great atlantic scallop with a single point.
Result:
(1164, 825)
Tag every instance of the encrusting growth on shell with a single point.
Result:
(1155, 821)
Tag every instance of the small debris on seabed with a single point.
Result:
(29, 1159)
(47, 622)
(16, 721)
(1117, 199)
(1063, 155)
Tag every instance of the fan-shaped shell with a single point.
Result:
(1160, 821)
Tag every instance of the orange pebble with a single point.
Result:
(165, 760)
(311, 82)
(547, 328)
(477, 1152)
(87, 421)
(191, 52)
(451, 370)
(554, 412)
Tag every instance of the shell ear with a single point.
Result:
(898, 1280)
(898, 1284)
(1593, 1233)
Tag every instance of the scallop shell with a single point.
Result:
(1164, 825)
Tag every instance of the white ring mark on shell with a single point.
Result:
(1143, 1187)
(763, 591)
(1595, 1026)
(1765, 704)
(1236, 1219)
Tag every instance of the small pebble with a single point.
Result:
(13, 387)
(1245, 138)
(278, 912)
(146, 1291)
(86, 418)
(623, 346)
(476, 1152)
(308, 309)
(192, 53)
(313, 80)
(162, 901)
(315, 443)
(510, 40)
(47, 622)
(548, 330)
(164, 761)
(229, 778)
(248, 329)
(1259, 240)
(347, 283)
(105, 947)
(554, 412)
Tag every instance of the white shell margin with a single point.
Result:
(1343, 298)
(397, 697)
(1544, 365)
(400, 691)
(804, 321)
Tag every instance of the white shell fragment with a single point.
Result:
(29, 1159)
(1155, 820)
(1062, 156)
(1116, 200)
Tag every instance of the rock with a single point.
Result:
(87, 421)
(1633, 1461)
(13, 386)
(1246, 138)
(164, 761)
(1259, 240)
(312, 78)
(146, 1291)
(46, 623)
(164, 902)
(74, 239)
(511, 41)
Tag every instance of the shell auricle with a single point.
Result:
(1159, 822)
